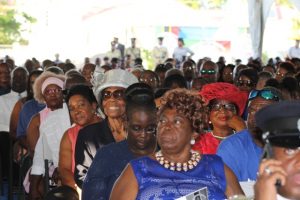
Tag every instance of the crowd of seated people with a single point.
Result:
(182, 130)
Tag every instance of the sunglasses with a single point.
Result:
(218, 106)
(209, 71)
(149, 130)
(266, 94)
(117, 94)
(247, 83)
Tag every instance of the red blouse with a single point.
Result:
(206, 144)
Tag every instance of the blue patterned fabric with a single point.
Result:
(157, 182)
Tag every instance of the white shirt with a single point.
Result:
(7, 103)
(181, 52)
(279, 197)
(294, 52)
(51, 132)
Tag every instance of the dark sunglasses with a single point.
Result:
(247, 83)
(218, 106)
(266, 94)
(117, 94)
(209, 71)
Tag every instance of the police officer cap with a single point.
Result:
(280, 123)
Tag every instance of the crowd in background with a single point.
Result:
(91, 122)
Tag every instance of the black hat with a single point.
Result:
(280, 123)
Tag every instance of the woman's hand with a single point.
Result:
(270, 171)
(236, 123)
(117, 127)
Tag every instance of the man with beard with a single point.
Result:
(279, 175)
(242, 151)
(189, 72)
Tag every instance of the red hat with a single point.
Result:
(225, 91)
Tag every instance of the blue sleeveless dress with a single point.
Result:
(157, 182)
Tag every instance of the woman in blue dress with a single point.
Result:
(176, 170)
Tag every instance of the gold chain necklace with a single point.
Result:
(190, 164)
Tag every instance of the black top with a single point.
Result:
(107, 166)
(89, 140)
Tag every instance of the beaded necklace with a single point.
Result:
(190, 164)
(218, 137)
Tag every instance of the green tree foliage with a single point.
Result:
(11, 29)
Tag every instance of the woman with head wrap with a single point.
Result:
(176, 170)
(226, 104)
(109, 91)
(46, 128)
(48, 90)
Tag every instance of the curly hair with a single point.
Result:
(37, 86)
(187, 103)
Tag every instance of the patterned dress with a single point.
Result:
(157, 182)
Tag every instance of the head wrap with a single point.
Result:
(50, 81)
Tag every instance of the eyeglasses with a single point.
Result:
(138, 129)
(227, 73)
(208, 71)
(247, 83)
(145, 80)
(117, 94)
(280, 74)
(266, 94)
(188, 68)
(218, 106)
(50, 91)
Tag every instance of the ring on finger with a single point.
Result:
(267, 170)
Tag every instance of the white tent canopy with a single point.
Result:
(258, 14)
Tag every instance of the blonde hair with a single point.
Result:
(37, 86)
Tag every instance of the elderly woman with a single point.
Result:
(47, 89)
(110, 161)
(46, 128)
(176, 170)
(226, 104)
(83, 111)
(109, 92)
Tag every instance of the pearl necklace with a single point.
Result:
(218, 137)
(190, 164)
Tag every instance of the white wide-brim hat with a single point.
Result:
(114, 78)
